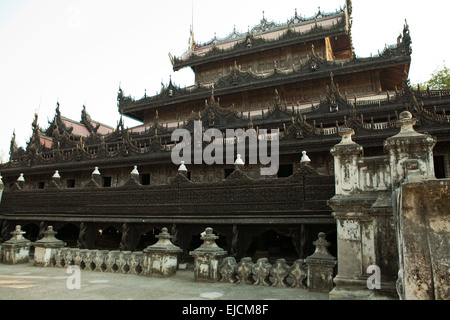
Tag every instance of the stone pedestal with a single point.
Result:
(321, 266)
(420, 210)
(17, 249)
(45, 249)
(355, 231)
(409, 148)
(207, 258)
(162, 257)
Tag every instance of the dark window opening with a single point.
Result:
(69, 234)
(107, 182)
(439, 167)
(228, 172)
(272, 245)
(70, 183)
(285, 170)
(41, 185)
(188, 175)
(108, 239)
(147, 239)
(145, 179)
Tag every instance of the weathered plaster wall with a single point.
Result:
(424, 239)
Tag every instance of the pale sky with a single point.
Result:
(78, 52)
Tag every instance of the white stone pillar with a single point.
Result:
(321, 266)
(17, 249)
(46, 248)
(162, 257)
(355, 227)
(207, 258)
(346, 155)
(409, 145)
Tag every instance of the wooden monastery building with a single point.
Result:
(116, 188)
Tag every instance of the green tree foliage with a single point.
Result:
(440, 80)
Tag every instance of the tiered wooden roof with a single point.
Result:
(335, 27)
(268, 35)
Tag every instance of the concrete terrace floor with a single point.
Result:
(27, 282)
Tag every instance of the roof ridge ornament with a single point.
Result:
(239, 161)
(305, 159)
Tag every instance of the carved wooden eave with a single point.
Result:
(300, 129)
(238, 81)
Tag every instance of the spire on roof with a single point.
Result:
(191, 37)
(348, 5)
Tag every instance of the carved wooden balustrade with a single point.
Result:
(300, 198)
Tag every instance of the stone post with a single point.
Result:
(46, 248)
(346, 155)
(320, 266)
(207, 258)
(17, 249)
(409, 146)
(2, 187)
(355, 230)
(162, 257)
(420, 206)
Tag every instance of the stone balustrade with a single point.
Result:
(263, 273)
(374, 173)
(210, 262)
(115, 261)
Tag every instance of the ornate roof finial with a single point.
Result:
(21, 178)
(239, 161)
(305, 158)
(56, 175)
(349, 7)
(191, 37)
(96, 171)
(182, 167)
(135, 171)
